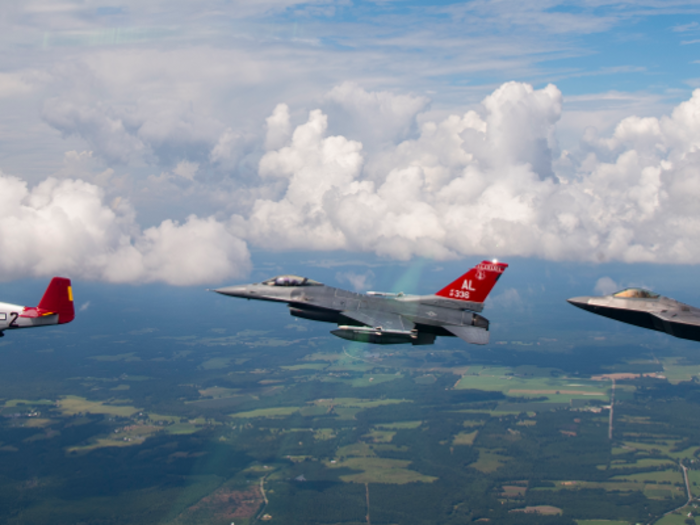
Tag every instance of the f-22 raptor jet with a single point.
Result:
(646, 309)
(386, 318)
(55, 307)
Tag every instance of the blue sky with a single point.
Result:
(585, 47)
(528, 304)
(168, 141)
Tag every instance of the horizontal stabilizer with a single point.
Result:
(34, 313)
(470, 334)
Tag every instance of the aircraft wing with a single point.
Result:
(470, 334)
(671, 316)
(678, 323)
(377, 319)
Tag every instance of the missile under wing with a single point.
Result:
(55, 307)
(646, 309)
(386, 318)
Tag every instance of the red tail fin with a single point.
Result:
(58, 299)
(476, 284)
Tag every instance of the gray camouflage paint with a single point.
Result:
(375, 317)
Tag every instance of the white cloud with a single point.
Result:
(13, 84)
(605, 286)
(492, 183)
(316, 167)
(682, 28)
(103, 131)
(232, 148)
(162, 105)
(83, 165)
(360, 282)
(375, 117)
(198, 251)
(171, 116)
(279, 128)
(64, 227)
(508, 299)
(186, 170)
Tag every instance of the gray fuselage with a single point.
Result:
(655, 312)
(427, 313)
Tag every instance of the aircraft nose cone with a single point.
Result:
(580, 302)
(235, 291)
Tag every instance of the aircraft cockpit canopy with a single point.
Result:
(636, 293)
(291, 280)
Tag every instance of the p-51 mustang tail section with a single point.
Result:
(55, 307)
(58, 299)
(475, 285)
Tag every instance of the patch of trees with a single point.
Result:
(303, 503)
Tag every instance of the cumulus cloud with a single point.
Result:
(279, 128)
(169, 119)
(103, 130)
(155, 130)
(13, 84)
(488, 182)
(232, 148)
(491, 182)
(64, 227)
(359, 281)
(315, 168)
(198, 251)
(455, 189)
(605, 286)
(377, 117)
(508, 299)
(186, 170)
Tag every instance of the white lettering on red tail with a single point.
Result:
(491, 267)
(476, 284)
(467, 285)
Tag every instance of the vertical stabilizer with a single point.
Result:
(476, 284)
(58, 299)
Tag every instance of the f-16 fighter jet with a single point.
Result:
(55, 307)
(646, 309)
(386, 318)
